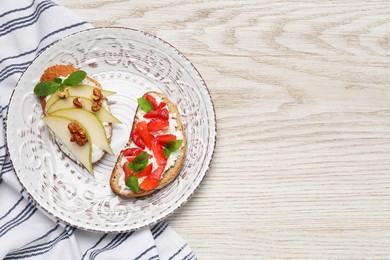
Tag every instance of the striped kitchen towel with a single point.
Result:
(27, 27)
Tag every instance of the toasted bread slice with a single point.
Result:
(173, 167)
(61, 70)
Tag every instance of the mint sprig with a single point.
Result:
(145, 105)
(57, 80)
(132, 183)
(46, 88)
(75, 78)
(171, 147)
(49, 87)
(167, 152)
(139, 163)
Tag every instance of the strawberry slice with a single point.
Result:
(144, 172)
(161, 113)
(141, 128)
(152, 100)
(132, 151)
(162, 104)
(164, 114)
(127, 170)
(157, 173)
(137, 140)
(148, 184)
(157, 125)
(164, 139)
(158, 152)
(130, 159)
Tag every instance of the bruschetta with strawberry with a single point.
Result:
(156, 149)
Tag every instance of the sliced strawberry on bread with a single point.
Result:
(155, 152)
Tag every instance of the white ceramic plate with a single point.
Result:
(129, 62)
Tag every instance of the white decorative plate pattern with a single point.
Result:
(129, 62)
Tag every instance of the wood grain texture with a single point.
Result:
(302, 97)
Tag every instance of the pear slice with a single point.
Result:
(91, 122)
(77, 91)
(59, 126)
(102, 114)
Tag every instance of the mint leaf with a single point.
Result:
(57, 80)
(145, 105)
(49, 87)
(173, 145)
(167, 152)
(132, 183)
(46, 88)
(75, 78)
(139, 163)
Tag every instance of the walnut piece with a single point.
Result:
(97, 98)
(77, 102)
(63, 93)
(77, 134)
(96, 107)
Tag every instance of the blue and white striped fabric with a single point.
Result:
(27, 27)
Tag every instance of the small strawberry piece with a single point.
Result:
(164, 139)
(127, 170)
(157, 173)
(161, 113)
(162, 104)
(158, 152)
(148, 184)
(132, 151)
(152, 114)
(137, 140)
(164, 114)
(141, 128)
(157, 125)
(152, 100)
(144, 172)
(130, 159)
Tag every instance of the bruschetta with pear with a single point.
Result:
(77, 113)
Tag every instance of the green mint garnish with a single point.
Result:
(46, 88)
(139, 163)
(57, 80)
(132, 183)
(49, 87)
(167, 152)
(75, 78)
(145, 105)
(173, 145)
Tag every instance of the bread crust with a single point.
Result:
(62, 70)
(169, 174)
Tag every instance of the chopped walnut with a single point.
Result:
(97, 98)
(63, 93)
(96, 107)
(77, 102)
(77, 134)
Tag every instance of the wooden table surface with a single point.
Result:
(302, 96)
